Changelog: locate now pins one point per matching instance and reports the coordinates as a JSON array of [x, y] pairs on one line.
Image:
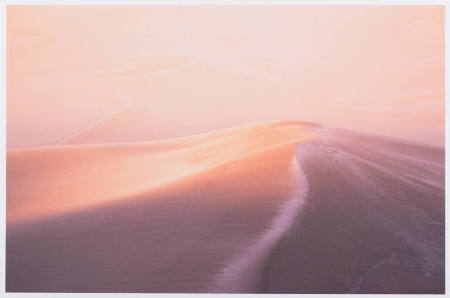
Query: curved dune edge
[[282, 207], [237, 181], [244, 273]]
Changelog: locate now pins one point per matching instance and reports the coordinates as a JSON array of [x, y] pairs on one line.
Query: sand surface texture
[[279, 207]]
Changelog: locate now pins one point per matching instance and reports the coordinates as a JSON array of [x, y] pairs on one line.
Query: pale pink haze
[[167, 149], [92, 74]]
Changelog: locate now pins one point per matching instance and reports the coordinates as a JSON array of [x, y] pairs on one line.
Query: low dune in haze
[[279, 207], [115, 74]]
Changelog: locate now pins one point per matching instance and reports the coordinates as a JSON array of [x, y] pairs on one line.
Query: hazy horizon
[[171, 71], [266, 202]]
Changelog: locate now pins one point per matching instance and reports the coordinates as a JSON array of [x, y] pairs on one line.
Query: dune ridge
[[279, 207], [373, 221], [168, 162], [243, 275]]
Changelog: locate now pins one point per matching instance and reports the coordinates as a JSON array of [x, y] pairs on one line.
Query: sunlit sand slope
[[164, 217], [283, 207]]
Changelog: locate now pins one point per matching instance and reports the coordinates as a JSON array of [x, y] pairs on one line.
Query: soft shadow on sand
[[281, 207]]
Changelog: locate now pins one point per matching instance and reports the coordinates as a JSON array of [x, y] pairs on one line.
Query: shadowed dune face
[[275, 207], [374, 222]]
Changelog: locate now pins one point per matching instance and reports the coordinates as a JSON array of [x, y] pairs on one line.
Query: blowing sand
[[280, 207]]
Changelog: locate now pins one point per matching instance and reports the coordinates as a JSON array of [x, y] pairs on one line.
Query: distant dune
[[277, 207]]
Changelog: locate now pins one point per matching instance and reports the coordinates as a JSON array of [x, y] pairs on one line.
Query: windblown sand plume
[[278, 207]]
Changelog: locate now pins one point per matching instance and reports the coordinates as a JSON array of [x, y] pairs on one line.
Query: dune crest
[[87, 175], [279, 207]]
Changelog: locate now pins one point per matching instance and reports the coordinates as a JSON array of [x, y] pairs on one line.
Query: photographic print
[[225, 149]]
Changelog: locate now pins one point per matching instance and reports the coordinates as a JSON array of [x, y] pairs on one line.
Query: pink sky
[[92, 74]]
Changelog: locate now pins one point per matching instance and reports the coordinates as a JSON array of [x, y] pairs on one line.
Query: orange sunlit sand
[[225, 149], [93, 174], [226, 199]]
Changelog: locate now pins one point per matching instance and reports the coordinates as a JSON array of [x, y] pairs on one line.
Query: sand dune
[[88, 175], [123, 174], [281, 207], [373, 222]]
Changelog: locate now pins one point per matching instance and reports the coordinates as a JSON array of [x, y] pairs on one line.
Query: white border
[[447, 145], [3, 144], [3, 16], [225, 2]]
